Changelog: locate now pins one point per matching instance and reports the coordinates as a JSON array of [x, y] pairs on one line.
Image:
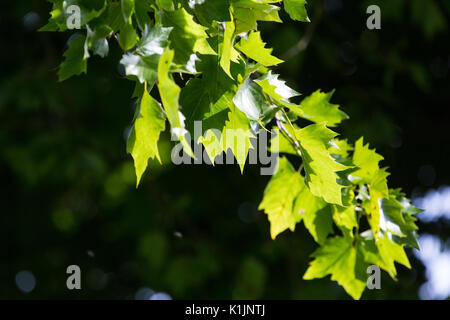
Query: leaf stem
[[287, 134]]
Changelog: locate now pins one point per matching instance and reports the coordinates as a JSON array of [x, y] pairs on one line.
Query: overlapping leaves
[[207, 63]]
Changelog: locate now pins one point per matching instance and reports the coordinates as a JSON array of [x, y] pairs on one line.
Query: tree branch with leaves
[[216, 47]]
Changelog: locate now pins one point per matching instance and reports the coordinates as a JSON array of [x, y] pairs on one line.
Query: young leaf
[[170, 92], [340, 259], [315, 213], [317, 108], [143, 141], [226, 47], [320, 167], [396, 219], [366, 160], [276, 88], [236, 135], [345, 217], [187, 36], [254, 48], [279, 198], [248, 12], [384, 253]]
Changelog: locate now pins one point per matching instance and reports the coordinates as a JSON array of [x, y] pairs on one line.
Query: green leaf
[[127, 36], [280, 144], [250, 100], [340, 259], [279, 198], [153, 41], [248, 12], [397, 219], [226, 47], [276, 88], [127, 7], [114, 16], [320, 167], [204, 98], [345, 217], [341, 148], [170, 93], [366, 160], [166, 5], [142, 9], [317, 108], [315, 213], [384, 253], [287, 200], [143, 141], [296, 10], [144, 64], [187, 36], [209, 99], [144, 68], [210, 10], [368, 172], [377, 191], [236, 135], [254, 48], [75, 59], [97, 41]]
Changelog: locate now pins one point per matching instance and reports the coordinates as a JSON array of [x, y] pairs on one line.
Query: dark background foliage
[[68, 187]]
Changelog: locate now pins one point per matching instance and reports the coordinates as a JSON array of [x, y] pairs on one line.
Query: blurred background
[[68, 191]]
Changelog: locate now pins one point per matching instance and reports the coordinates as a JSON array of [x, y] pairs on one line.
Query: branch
[[287, 134]]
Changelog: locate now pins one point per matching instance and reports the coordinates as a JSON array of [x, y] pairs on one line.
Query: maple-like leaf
[[75, 61], [186, 50], [317, 108], [340, 259], [187, 36], [248, 12], [275, 87], [279, 198], [254, 48], [320, 167], [236, 136], [367, 161], [143, 140]]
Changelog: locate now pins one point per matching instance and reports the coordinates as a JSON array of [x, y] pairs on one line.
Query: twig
[[287, 134]]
